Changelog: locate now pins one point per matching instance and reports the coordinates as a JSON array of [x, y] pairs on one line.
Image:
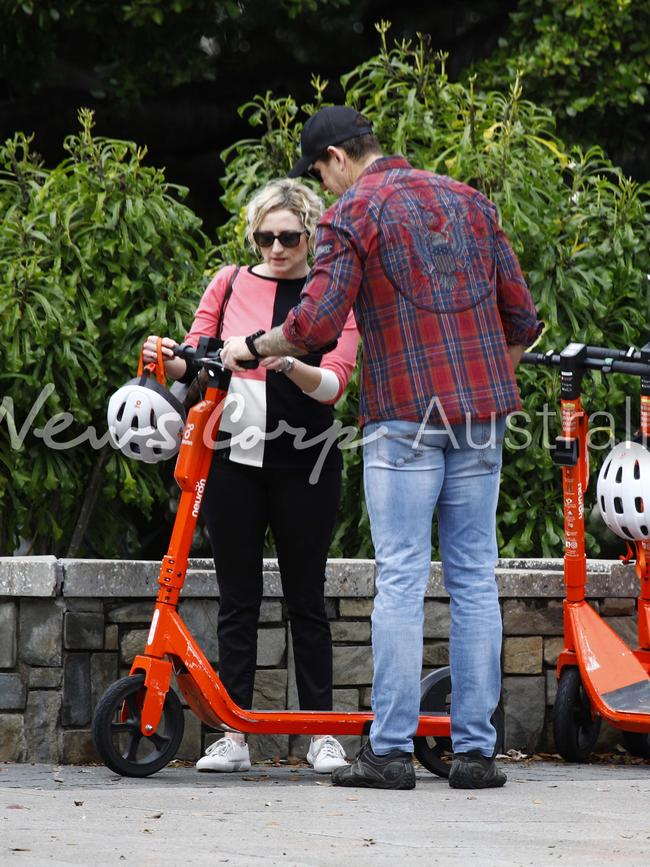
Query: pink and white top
[[268, 421]]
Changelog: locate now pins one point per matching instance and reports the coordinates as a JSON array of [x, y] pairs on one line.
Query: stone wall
[[69, 628]]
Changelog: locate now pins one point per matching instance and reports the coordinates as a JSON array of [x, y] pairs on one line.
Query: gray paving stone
[[78, 747], [200, 616], [356, 607], [13, 745], [13, 693], [528, 618], [270, 689], [94, 606], [618, 607], [40, 631], [352, 666], [525, 707], [437, 619], [111, 637], [350, 578], [551, 686], [132, 644], [349, 631], [264, 748], [190, 747], [271, 646], [76, 709], [271, 611], [552, 649], [523, 655], [45, 678], [436, 654], [29, 576], [345, 700], [103, 673], [8, 634], [42, 717], [83, 630], [131, 612]]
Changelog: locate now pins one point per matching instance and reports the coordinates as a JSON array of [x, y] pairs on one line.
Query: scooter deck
[[616, 682]]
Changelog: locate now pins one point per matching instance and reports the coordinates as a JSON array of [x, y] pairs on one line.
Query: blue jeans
[[409, 471]]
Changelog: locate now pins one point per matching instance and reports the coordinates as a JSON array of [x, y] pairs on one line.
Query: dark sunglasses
[[287, 239], [314, 174]]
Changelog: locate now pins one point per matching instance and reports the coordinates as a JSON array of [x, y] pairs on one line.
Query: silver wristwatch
[[288, 364]]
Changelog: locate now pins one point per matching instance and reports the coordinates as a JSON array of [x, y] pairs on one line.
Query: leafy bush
[[579, 227], [588, 62], [591, 55], [95, 254]]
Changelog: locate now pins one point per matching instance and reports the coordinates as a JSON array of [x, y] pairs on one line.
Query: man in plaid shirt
[[445, 315]]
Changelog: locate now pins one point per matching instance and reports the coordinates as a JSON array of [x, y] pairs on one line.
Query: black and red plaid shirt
[[437, 292]]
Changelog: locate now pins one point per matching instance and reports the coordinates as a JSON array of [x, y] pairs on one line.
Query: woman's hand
[[174, 367], [150, 349], [275, 362]]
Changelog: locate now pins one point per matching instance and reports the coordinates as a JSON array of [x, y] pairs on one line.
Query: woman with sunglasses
[[265, 467]]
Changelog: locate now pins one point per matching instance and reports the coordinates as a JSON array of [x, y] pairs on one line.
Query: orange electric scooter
[[138, 722], [599, 676]]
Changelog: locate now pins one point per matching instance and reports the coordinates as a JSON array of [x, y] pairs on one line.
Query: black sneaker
[[474, 771], [369, 771]]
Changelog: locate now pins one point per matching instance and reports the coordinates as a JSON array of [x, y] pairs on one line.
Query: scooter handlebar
[[596, 358], [208, 357]]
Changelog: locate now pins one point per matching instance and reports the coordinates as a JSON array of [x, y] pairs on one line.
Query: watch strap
[[250, 343]]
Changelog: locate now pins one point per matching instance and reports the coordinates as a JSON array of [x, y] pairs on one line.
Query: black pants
[[240, 503]]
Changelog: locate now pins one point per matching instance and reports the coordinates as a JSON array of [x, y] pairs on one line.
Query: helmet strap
[[156, 368]]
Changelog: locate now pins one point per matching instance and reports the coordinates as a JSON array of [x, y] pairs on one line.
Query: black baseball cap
[[329, 126]]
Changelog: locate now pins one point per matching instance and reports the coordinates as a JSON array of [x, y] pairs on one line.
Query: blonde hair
[[285, 193]]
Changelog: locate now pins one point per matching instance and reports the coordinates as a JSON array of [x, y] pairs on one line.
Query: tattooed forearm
[[275, 343]]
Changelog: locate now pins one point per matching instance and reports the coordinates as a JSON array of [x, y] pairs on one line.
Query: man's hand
[[515, 353], [234, 350]]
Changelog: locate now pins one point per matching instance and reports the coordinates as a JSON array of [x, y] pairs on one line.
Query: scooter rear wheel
[[118, 736], [435, 753], [575, 728], [637, 744]]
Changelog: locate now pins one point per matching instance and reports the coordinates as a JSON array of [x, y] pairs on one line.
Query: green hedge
[[95, 254]]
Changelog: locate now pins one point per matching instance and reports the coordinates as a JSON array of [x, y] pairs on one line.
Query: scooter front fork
[[157, 680]]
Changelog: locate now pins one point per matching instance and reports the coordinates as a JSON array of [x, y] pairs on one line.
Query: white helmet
[[145, 420], [623, 491]]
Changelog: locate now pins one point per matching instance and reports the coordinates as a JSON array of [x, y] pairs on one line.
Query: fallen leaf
[[471, 797], [267, 803], [78, 803], [352, 798], [16, 807], [154, 815], [537, 802], [256, 779], [59, 780], [20, 850]]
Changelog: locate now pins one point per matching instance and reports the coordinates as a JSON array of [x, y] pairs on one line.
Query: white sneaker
[[225, 755], [325, 754]]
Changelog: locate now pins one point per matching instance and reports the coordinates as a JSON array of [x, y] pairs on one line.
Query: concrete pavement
[[547, 813]]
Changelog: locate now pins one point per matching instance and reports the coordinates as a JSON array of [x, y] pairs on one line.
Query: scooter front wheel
[[435, 753], [118, 735], [575, 727]]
